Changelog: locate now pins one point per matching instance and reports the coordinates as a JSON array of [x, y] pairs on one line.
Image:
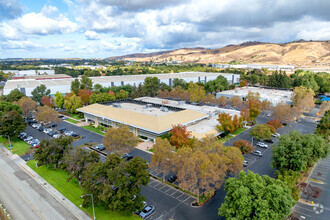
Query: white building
[[272, 95], [20, 73], [255, 66], [64, 85]]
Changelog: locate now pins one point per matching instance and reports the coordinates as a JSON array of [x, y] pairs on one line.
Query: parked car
[[100, 147], [47, 130], [37, 146], [22, 135], [172, 178], [263, 145], [41, 128], [271, 141], [57, 135], [74, 135], [52, 133], [62, 130], [144, 205], [36, 125], [276, 135], [268, 114], [245, 163], [147, 211], [28, 138], [127, 157], [68, 133], [257, 153]]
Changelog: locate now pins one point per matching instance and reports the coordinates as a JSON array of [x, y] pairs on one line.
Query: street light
[[91, 195], [252, 142]]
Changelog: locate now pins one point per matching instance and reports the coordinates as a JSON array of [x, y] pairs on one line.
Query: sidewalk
[[145, 146], [43, 200]]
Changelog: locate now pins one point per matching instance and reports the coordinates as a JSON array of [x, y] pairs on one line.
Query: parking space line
[[162, 187]]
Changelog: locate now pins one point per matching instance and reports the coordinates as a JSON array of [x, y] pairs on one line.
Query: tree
[[217, 85], [179, 136], [46, 114], [222, 101], [233, 159], [245, 115], [72, 102], [8, 106], [236, 101], [253, 96], [285, 113], [116, 184], [51, 151], [261, 132], [325, 106], [251, 196], [228, 124], [75, 86], [297, 152], [119, 140], [275, 123], [210, 99], [11, 123], [122, 94], [39, 92], [180, 82], [279, 80], [27, 105], [85, 95], [265, 105], [14, 95], [254, 79], [86, 83], [196, 92], [76, 161], [244, 145], [59, 99], [151, 85], [323, 127], [271, 128], [303, 98], [46, 100], [162, 158], [254, 107]]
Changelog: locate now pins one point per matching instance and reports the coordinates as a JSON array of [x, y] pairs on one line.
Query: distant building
[[255, 66], [19, 73], [272, 95], [63, 85]]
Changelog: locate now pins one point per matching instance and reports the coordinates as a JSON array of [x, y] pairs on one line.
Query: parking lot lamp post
[[252, 142], [91, 195]]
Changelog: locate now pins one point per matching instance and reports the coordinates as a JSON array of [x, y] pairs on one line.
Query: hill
[[300, 53]]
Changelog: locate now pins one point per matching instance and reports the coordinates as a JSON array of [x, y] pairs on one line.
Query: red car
[[37, 146]]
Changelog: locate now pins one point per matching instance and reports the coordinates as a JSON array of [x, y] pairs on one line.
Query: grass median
[[19, 147], [93, 129], [71, 120], [71, 190]]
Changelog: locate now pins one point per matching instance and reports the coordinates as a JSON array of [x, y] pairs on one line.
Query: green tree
[[251, 196], [14, 95], [297, 152], [86, 83], [72, 102], [151, 85], [179, 82], [52, 151], [76, 161], [323, 127], [261, 132], [75, 86], [11, 123], [119, 140], [59, 99], [217, 85], [116, 184], [254, 79], [8, 106], [39, 92]]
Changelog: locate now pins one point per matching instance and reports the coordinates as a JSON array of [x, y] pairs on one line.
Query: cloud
[[92, 35], [25, 44], [10, 9]]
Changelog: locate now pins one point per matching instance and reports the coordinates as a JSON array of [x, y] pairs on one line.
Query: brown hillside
[[295, 53]]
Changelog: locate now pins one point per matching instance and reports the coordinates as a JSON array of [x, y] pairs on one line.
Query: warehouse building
[[63, 85], [146, 120], [272, 95]]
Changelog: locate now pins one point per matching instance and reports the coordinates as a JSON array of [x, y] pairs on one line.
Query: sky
[[103, 28]]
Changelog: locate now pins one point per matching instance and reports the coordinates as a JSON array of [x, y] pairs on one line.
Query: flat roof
[[157, 124], [141, 109], [32, 83], [264, 93]]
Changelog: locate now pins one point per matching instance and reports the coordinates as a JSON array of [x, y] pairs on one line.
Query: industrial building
[[272, 95], [19, 73], [255, 66], [63, 85], [146, 120]]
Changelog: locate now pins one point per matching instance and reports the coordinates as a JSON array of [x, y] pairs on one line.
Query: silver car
[[147, 211]]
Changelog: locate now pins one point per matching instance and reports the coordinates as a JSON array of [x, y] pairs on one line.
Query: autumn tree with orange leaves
[[179, 136], [47, 101], [84, 95], [229, 124]]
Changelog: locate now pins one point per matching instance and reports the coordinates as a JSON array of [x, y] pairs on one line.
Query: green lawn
[[76, 116], [93, 129], [240, 130], [19, 146], [72, 191], [72, 120]]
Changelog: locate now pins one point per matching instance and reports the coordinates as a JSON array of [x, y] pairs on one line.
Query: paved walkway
[[28, 196], [145, 146]]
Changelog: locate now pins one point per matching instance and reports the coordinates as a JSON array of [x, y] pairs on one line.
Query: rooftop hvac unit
[[149, 105]]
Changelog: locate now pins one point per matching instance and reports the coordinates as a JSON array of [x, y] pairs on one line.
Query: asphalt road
[[24, 197], [170, 204]]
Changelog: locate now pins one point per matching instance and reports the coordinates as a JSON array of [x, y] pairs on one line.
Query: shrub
[[243, 145]]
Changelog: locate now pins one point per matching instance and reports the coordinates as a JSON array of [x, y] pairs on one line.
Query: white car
[[68, 133], [47, 131], [57, 135], [276, 135], [257, 153], [263, 145]]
